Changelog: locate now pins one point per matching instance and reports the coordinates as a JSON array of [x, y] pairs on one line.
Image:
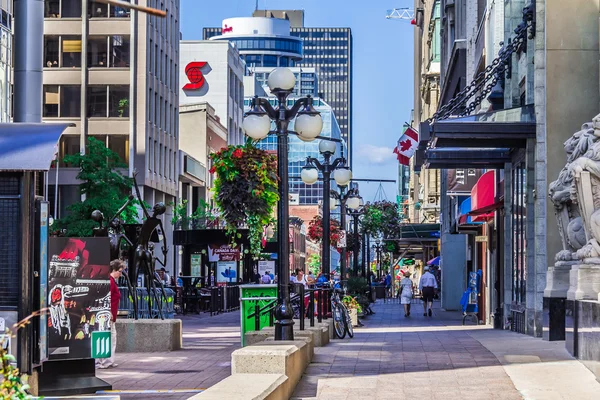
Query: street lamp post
[[346, 200], [356, 213], [378, 247], [257, 125], [342, 176]]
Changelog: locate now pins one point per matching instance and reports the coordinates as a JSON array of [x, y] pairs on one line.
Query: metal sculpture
[[143, 248]]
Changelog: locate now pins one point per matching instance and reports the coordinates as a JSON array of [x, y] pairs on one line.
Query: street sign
[[101, 344], [342, 241]]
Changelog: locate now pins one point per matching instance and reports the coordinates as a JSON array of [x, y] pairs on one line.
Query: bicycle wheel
[[338, 321], [348, 322]]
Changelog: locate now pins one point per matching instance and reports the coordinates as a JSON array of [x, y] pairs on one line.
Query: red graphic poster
[[78, 295]]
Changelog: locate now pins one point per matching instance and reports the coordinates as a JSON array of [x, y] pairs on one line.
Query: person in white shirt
[[427, 286], [266, 279]]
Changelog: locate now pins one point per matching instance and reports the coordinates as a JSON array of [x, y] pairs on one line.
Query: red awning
[[483, 197]]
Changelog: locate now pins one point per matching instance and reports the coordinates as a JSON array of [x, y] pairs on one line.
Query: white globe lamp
[[309, 175], [308, 126], [342, 176], [327, 147], [281, 79], [353, 202], [257, 126]]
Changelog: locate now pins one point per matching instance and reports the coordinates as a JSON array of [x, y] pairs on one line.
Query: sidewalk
[[204, 360], [393, 357]]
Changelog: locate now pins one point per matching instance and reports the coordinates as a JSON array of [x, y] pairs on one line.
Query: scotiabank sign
[[194, 74]]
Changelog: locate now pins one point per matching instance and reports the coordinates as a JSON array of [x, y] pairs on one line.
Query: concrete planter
[[354, 316]]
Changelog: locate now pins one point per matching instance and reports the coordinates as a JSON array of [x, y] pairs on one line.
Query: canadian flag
[[407, 145]]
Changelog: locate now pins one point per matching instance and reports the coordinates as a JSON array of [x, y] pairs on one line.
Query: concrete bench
[[148, 335], [247, 387]]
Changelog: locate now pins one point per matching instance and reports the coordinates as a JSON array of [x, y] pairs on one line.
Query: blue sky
[[383, 70]]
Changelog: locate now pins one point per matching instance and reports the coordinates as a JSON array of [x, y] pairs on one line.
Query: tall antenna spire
[[256, 8]]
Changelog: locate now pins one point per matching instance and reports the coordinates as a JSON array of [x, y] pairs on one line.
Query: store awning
[[483, 195], [29, 147]]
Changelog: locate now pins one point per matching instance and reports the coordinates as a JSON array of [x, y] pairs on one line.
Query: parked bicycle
[[342, 323]]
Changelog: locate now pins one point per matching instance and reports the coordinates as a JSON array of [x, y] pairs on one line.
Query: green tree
[[104, 186], [314, 263]]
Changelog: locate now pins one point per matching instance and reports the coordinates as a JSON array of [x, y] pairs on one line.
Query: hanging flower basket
[[315, 231], [246, 190]]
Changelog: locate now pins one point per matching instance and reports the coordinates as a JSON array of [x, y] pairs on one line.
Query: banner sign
[[78, 295], [342, 240], [461, 181], [222, 253]]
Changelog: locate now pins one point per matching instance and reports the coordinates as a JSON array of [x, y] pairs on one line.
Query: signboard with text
[[252, 296], [223, 253]]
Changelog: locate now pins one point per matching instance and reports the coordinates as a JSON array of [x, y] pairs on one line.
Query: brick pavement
[[394, 357], [204, 360]]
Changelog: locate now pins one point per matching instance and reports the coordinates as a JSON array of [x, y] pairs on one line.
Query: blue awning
[[29, 147]]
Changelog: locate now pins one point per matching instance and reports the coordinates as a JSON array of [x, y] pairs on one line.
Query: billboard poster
[[223, 252], [43, 342], [461, 181], [226, 272], [196, 264], [264, 266], [78, 295]]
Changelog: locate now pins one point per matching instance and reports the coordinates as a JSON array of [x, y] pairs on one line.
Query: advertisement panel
[[196, 264], [264, 266], [222, 252], [78, 295], [43, 345], [461, 181], [226, 272]]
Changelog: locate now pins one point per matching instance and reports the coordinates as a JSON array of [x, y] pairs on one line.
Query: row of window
[[304, 33], [64, 101], [70, 145], [267, 60], [161, 65], [73, 9], [161, 159], [102, 51], [294, 46], [311, 44], [162, 113]]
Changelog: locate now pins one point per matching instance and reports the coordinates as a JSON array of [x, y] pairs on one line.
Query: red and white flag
[[407, 145]]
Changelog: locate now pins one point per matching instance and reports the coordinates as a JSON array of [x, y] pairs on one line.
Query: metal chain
[[476, 90]]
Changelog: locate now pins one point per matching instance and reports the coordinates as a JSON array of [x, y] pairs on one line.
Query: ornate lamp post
[[342, 176], [257, 125], [356, 213], [346, 200], [378, 247]]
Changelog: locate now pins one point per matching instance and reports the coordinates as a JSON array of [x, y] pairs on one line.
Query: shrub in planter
[[315, 230]]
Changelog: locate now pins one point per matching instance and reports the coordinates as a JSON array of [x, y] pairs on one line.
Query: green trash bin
[[252, 296]]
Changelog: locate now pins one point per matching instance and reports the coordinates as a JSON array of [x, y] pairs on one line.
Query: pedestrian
[[427, 286], [116, 269], [266, 279], [310, 279], [406, 292], [256, 276], [180, 280], [388, 284], [301, 278]]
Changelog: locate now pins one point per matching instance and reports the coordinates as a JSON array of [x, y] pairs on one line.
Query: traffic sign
[[101, 344]]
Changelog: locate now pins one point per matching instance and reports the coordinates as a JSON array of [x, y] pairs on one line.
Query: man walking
[[427, 286]]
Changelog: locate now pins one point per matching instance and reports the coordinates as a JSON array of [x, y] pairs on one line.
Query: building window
[[71, 51], [52, 9], [97, 9], [97, 52], [68, 145], [119, 51], [51, 52], [269, 60], [70, 101], [62, 101], [69, 8], [50, 101], [96, 101], [119, 12], [118, 101], [120, 145]]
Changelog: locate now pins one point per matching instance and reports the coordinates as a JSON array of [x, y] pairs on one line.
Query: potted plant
[[123, 106], [246, 190], [353, 308], [315, 231]]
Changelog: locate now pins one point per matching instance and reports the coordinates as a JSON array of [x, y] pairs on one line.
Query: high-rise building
[[328, 50], [114, 74], [5, 58]]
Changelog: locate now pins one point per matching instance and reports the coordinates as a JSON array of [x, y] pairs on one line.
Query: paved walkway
[[394, 357], [204, 360]]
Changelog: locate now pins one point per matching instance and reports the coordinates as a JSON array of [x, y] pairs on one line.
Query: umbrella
[[434, 261]]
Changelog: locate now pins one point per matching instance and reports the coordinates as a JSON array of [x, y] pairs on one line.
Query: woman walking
[[406, 287]]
